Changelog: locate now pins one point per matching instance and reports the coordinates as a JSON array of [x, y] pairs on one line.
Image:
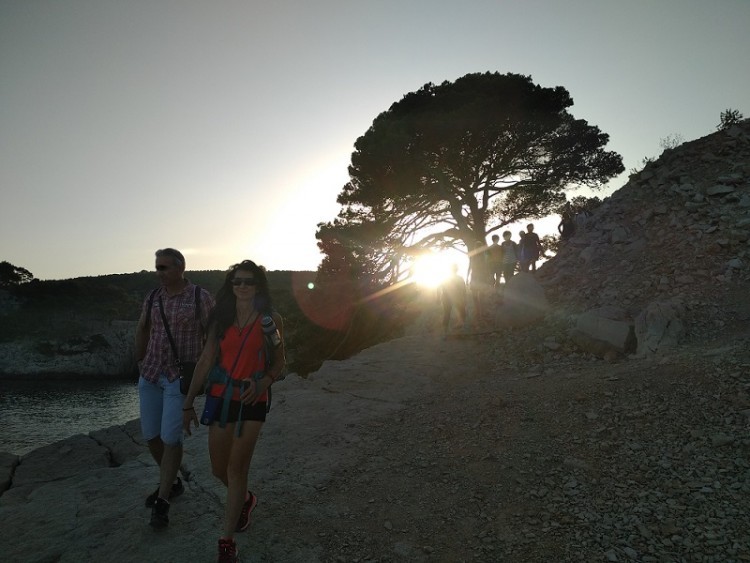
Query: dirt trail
[[572, 460]]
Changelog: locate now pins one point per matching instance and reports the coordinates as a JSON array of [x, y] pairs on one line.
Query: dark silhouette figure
[[567, 226], [531, 249], [453, 296], [495, 260]]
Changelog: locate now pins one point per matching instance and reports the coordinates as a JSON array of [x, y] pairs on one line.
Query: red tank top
[[252, 360]]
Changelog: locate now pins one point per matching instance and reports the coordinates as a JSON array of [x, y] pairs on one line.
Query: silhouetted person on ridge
[[453, 296], [495, 259], [510, 255], [566, 227], [480, 283], [531, 249]]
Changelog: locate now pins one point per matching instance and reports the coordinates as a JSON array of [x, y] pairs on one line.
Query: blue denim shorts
[[161, 410]]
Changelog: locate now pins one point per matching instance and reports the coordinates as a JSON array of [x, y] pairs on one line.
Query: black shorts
[[214, 405]]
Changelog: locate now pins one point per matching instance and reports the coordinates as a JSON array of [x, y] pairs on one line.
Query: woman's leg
[[230, 462], [219, 447]]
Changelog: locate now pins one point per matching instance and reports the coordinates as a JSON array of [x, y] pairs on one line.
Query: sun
[[431, 270]]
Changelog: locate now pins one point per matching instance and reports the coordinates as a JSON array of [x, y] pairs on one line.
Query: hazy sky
[[224, 128]]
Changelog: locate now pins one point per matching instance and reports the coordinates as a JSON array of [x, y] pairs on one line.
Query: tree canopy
[[11, 275], [728, 118], [447, 165]]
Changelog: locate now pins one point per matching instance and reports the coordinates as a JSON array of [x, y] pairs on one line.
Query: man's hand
[[189, 416]]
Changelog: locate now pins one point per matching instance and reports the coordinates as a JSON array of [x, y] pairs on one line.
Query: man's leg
[[156, 447], [168, 469], [151, 398], [447, 306], [171, 436]]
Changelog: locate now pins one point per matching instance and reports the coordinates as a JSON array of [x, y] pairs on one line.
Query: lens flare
[[430, 270]]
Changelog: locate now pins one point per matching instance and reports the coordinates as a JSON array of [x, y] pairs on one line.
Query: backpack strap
[[198, 307], [150, 304], [271, 343]]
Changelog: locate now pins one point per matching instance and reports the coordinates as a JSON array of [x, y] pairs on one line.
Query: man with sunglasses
[[171, 330]]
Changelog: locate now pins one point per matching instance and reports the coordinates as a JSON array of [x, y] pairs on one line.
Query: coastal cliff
[[107, 352]]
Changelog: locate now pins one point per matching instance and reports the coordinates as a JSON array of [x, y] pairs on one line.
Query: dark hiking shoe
[[247, 508], [228, 552], [177, 490], [160, 514]]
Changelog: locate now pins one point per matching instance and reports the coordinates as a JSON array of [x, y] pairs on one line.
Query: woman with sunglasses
[[243, 356]]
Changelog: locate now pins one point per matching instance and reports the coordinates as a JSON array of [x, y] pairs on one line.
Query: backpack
[[271, 341]]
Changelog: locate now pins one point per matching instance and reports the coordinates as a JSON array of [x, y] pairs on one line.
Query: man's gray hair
[[176, 255]]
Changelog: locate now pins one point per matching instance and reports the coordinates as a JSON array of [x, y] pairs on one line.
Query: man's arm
[[141, 337]]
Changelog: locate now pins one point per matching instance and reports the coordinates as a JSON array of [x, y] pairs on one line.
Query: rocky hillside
[[678, 232]]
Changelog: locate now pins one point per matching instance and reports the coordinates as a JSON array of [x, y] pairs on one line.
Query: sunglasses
[[236, 282], [161, 268]]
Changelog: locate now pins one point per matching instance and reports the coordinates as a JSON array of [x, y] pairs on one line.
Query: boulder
[[55, 462], [604, 332], [619, 235], [587, 254], [123, 442], [524, 301], [719, 189], [659, 327], [8, 463]]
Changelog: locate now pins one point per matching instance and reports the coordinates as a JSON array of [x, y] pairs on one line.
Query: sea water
[[37, 412]]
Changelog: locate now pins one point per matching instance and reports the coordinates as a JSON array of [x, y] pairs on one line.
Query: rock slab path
[[488, 448]]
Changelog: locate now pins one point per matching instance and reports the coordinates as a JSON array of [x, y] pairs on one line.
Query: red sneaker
[[247, 508], [228, 552]]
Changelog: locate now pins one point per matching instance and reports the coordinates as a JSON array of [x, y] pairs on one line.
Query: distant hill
[[78, 307], [45, 319]]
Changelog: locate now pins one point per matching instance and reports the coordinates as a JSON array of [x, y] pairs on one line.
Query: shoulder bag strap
[[228, 391], [169, 332]]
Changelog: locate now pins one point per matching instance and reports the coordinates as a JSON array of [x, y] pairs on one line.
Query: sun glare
[[431, 270]]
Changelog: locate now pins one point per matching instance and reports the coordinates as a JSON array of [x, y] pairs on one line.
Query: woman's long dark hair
[[222, 317]]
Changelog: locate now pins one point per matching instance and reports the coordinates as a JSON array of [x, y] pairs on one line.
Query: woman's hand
[[255, 390], [189, 416]]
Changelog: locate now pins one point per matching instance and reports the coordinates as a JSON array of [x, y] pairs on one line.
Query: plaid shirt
[[187, 332]]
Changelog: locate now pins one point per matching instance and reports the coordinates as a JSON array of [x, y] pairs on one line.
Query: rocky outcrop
[[8, 463], [526, 453], [671, 248], [659, 327], [105, 353], [87, 492]]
